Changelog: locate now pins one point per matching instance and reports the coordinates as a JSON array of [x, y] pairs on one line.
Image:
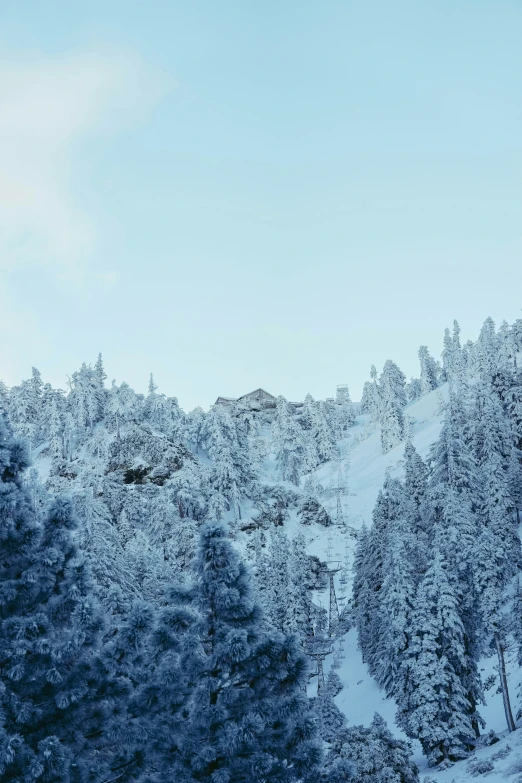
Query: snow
[[360, 697], [366, 468]]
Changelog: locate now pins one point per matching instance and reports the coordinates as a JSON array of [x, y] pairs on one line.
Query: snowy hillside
[[361, 697], [370, 552]]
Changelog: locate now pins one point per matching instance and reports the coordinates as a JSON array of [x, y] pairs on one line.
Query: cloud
[[46, 107]]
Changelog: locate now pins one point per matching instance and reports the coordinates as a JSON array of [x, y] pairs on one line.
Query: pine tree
[[288, 443], [371, 397], [452, 357], [416, 486], [331, 719], [494, 454], [49, 630], [371, 554], [369, 755], [435, 707], [392, 383], [363, 596], [491, 581], [487, 350], [414, 389], [194, 428], [324, 435], [396, 601], [38, 497], [99, 539], [392, 425], [453, 491], [248, 715], [24, 410], [230, 455], [162, 519], [498, 545], [429, 370], [121, 405], [299, 598], [278, 580], [312, 512], [344, 412], [55, 436], [100, 376], [4, 400], [393, 400]]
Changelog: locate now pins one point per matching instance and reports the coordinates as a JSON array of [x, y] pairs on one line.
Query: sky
[[239, 194]]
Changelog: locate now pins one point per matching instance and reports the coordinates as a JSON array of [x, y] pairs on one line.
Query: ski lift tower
[[338, 486], [318, 650], [333, 568]]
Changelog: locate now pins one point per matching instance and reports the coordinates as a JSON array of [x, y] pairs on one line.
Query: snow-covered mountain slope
[[366, 468]]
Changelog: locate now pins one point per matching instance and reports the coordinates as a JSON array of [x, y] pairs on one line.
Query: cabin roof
[[256, 392], [250, 394]]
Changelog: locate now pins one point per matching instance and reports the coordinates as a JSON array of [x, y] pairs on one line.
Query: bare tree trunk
[[503, 684]]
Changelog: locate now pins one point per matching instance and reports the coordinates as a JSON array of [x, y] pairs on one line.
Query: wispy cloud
[[46, 107]]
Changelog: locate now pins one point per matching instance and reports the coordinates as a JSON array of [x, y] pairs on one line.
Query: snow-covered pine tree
[[49, 631], [99, 378], [228, 447], [392, 425], [307, 412], [434, 707], [429, 370], [392, 387], [99, 539], [487, 349], [370, 557], [248, 714], [362, 598], [55, 435], [331, 719], [83, 400], [321, 433], [494, 452], [277, 591], [453, 361], [416, 485], [396, 601], [299, 598], [312, 512], [224, 474], [4, 400], [343, 411], [38, 496], [392, 383], [194, 427], [371, 397], [163, 517], [24, 412], [414, 389], [288, 440], [498, 544], [453, 490], [490, 580], [122, 404], [513, 403], [371, 754]]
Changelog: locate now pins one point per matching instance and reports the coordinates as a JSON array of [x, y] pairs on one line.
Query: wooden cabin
[[259, 399]]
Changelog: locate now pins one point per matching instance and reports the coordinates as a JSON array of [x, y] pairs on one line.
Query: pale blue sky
[[275, 193]]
